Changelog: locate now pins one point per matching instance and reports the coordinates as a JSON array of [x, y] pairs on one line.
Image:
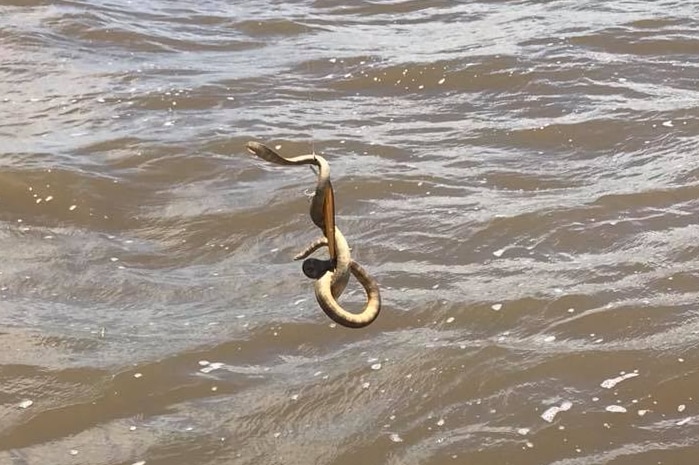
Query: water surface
[[521, 177]]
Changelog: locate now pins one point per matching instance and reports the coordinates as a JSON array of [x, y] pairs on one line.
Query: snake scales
[[331, 276]]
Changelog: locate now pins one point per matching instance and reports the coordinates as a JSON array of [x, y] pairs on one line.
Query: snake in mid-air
[[331, 275]]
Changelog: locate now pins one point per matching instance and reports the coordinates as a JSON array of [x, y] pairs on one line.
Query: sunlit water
[[521, 178]]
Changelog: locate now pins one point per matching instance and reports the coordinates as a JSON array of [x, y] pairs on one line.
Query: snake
[[331, 276], [322, 207], [324, 276]]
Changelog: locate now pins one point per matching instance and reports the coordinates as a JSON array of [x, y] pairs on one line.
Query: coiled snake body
[[331, 275]]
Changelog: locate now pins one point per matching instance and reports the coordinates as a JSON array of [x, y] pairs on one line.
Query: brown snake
[[331, 275]]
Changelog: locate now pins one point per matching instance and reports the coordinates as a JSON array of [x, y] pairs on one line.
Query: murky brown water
[[521, 177]]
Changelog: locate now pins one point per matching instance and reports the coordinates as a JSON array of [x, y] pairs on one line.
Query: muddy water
[[521, 177]]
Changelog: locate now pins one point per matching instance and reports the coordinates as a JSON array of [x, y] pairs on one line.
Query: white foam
[[211, 367], [550, 414], [615, 409], [26, 403], [611, 382]]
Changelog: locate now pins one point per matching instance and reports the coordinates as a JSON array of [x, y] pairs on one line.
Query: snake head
[[255, 147], [314, 268]]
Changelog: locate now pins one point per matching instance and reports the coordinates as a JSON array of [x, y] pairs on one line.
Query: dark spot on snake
[[315, 269]]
